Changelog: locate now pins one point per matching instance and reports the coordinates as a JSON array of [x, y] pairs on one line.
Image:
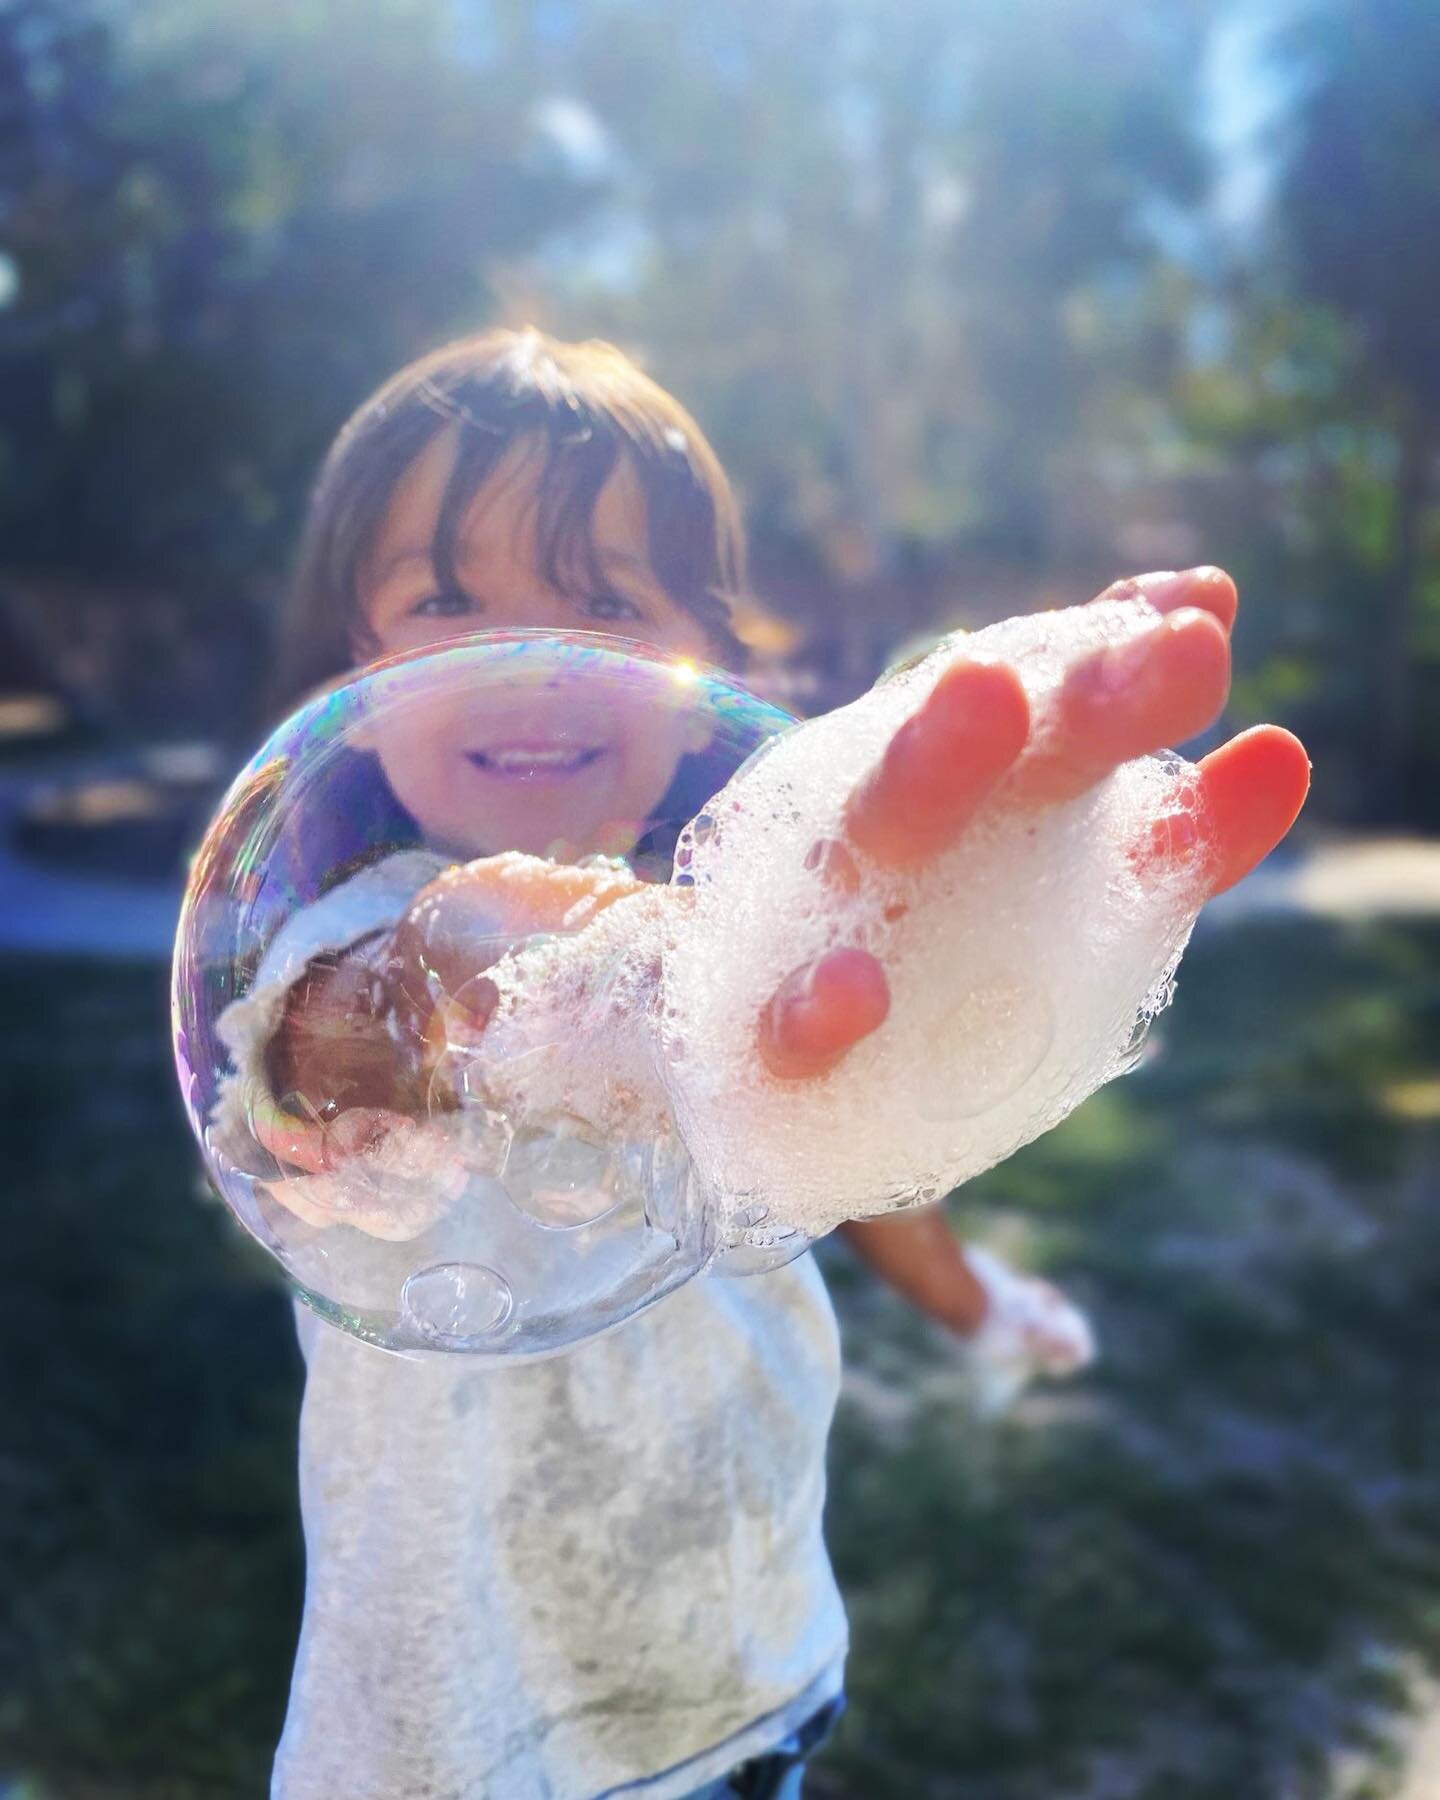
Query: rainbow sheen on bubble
[[473, 966], [451, 1223]]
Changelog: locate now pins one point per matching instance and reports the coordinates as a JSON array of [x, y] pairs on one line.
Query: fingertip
[[1214, 591], [1205, 587], [1196, 659], [822, 1011], [1254, 789], [1275, 759], [1129, 700], [1152, 587], [1267, 755], [941, 763], [976, 711], [1197, 620], [987, 700]]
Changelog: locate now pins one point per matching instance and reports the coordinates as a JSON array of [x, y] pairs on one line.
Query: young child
[[605, 1574]]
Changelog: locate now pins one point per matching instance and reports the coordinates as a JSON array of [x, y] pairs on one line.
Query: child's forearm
[[919, 1256]]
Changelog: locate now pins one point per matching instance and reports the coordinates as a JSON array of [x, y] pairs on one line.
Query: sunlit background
[[983, 303]]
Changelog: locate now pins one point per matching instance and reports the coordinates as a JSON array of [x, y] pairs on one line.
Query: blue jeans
[[777, 1774]]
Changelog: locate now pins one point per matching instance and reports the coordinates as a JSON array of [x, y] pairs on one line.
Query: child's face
[[549, 767]]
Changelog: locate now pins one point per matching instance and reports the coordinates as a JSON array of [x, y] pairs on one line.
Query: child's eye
[[443, 606], [613, 606]]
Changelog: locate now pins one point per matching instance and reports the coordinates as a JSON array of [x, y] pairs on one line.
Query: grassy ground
[[1202, 1574], [1205, 1572], [150, 1386]]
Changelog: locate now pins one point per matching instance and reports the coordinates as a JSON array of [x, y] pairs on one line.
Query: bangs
[[576, 455], [584, 406]]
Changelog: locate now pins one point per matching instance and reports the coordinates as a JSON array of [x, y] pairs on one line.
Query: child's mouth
[[527, 761]]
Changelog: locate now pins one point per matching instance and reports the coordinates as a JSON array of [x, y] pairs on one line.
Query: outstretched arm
[[971, 736], [919, 1256], [970, 741]]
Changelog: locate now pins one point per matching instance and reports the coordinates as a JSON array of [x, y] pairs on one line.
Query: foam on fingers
[[1023, 960]]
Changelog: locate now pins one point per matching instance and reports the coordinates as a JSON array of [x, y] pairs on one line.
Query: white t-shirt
[[599, 1575]]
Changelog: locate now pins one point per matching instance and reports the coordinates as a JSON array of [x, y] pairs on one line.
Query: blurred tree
[[940, 281], [221, 224], [1359, 214], [899, 257]]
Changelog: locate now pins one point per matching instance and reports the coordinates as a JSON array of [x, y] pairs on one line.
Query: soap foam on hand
[[1024, 963], [574, 1116]]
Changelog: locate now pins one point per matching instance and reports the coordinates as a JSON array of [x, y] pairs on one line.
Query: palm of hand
[[978, 745]]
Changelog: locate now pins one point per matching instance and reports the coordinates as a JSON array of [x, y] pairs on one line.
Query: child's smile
[[568, 771], [538, 752], [534, 761], [557, 761], [550, 750]]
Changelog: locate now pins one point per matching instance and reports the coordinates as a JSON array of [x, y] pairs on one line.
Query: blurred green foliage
[[949, 285], [1211, 1570], [1208, 1570], [952, 291], [227, 223]]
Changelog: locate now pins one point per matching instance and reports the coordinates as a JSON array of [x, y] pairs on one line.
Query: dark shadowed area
[[983, 307]]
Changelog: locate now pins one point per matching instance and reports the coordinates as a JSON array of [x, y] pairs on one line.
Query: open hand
[[973, 740]]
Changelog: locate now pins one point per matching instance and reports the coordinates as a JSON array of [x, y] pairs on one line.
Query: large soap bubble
[[472, 965], [331, 993]]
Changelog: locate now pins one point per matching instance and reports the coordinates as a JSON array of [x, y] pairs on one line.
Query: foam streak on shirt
[[569, 1578], [602, 1574]]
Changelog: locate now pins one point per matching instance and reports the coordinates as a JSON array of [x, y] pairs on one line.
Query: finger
[[318, 1146], [297, 1142], [1207, 589], [1128, 701], [1250, 792], [941, 764], [471, 915], [822, 1011]]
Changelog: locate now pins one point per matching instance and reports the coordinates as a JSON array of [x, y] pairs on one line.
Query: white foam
[[573, 1040], [1027, 957], [1023, 965]]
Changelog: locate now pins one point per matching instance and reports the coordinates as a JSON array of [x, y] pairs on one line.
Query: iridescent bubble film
[[387, 882], [475, 966]]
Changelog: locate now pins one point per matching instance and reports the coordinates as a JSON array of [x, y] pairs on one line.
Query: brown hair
[[588, 405]]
